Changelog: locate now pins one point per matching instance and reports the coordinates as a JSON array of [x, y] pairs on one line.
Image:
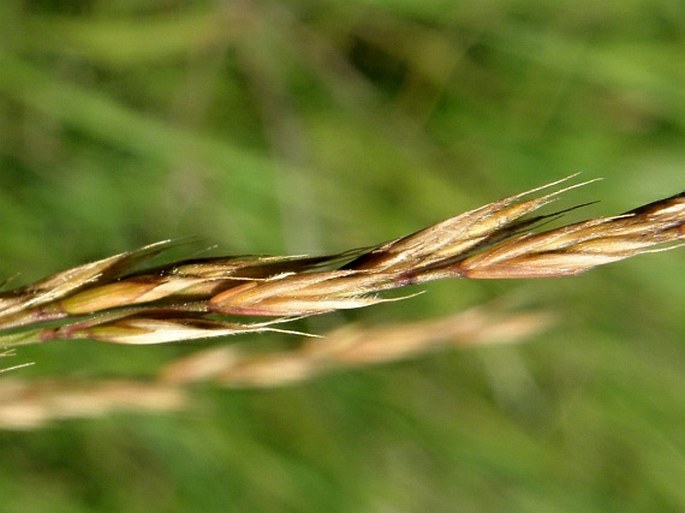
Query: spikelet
[[33, 404], [183, 300]]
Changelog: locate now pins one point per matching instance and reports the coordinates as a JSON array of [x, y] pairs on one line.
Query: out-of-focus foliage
[[315, 126]]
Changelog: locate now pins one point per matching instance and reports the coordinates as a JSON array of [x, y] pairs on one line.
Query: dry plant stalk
[[33, 404], [107, 301]]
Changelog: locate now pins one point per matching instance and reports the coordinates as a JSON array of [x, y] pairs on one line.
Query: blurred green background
[[312, 127]]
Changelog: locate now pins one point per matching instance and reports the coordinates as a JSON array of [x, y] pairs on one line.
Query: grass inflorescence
[[108, 301]]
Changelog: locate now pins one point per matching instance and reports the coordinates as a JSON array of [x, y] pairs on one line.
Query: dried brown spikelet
[[182, 299], [34, 404], [353, 346], [579, 247], [30, 405]]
